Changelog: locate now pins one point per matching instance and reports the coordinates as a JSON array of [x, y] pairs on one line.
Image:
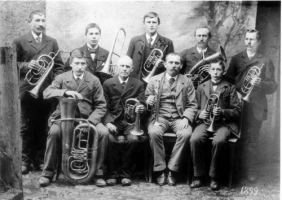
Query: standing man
[[35, 112], [82, 85], [96, 55], [141, 46], [117, 90], [173, 96], [255, 111]]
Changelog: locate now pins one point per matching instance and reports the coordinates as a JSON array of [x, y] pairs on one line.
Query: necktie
[[92, 50], [123, 84], [38, 39], [171, 81], [78, 80], [149, 41]]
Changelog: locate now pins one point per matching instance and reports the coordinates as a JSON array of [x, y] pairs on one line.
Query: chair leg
[[231, 163], [147, 155], [151, 166]]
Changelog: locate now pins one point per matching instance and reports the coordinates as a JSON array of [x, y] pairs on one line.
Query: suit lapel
[[70, 81], [32, 41], [207, 88], [129, 87], [179, 84], [100, 57], [117, 86], [83, 84], [44, 42], [90, 62], [196, 55]]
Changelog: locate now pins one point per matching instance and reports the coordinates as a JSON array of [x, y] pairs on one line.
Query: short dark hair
[[77, 53], [151, 15], [35, 12], [173, 54], [220, 63], [209, 33], [92, 25], [254, 31]]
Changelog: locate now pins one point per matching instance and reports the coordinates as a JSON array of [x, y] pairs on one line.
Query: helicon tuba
[[79, 144], [37, 77], [131, 117], [247, 87]]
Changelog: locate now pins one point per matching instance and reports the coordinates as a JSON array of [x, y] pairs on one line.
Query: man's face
[[93, 36], [151, 25], [125, 67], [78, 66], [216, 72], [173, 65], [202, 36], [37, 24], [251, 42]]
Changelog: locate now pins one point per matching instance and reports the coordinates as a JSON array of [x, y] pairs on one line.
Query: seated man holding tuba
[[218, 110], [82, 85], [118, 91], [172, 96]]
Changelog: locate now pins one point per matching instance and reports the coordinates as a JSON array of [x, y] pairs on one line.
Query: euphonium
[[247, 87], [130, 115], [198, 72], [37, 77], [151, 63], [79, 144]]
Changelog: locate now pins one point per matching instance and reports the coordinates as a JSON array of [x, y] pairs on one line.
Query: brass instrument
[[247, 87], [79, 144], [109, 68], [130, 115], [37, 77], [155, 109], [199, 72], [151, 63]]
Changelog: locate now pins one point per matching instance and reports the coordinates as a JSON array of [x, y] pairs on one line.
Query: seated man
[[224, 113], [117, 90], [82, 85], [173, 97]]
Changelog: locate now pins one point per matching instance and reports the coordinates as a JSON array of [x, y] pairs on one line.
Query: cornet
[[155, 108]]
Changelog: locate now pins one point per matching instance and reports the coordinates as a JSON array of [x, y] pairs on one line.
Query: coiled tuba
[[79, 144], [131, 117], [199, 72], [37, 77], [247, 87]]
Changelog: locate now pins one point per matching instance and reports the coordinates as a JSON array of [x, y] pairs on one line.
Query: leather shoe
[[99, 182], [125, 182], [171, 180], [197, 183], [25, 169], [44, 181], [161, 179], [214, 184], [252, 176], [111, 181]]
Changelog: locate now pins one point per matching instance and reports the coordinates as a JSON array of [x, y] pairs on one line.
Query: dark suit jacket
[[185, 98], [136, 51], [93, 107], [239, 67], [116, 96], [191, 57], [229, 103], [28, 49]]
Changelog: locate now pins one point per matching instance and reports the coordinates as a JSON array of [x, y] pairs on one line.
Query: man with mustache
[[141, 46], [35, 112], [255, 111]]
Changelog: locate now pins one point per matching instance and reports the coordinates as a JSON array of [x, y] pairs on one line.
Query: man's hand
[[184, 123], [159, 63], [33, 64], [73, 94], [151, 100], [216, 111], [111, 127], [204, 114], [140, 109], [255, 81]]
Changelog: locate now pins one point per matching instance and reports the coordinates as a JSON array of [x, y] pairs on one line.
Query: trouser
[[128, 151], [53, 148], [198, 142], [157, 145]]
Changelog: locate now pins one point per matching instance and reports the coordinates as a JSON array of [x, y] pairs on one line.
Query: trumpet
[[151, 63], [37, 77], [130, 115], [247, 87]]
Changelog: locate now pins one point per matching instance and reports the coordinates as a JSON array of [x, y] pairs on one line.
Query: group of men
[[175, 104]]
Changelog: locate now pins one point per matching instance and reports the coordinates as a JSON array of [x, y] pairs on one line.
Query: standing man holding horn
[[247, 68], [117, 91], [140, 47], [35, 112]]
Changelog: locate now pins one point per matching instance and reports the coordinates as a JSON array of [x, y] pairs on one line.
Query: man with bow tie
[[82, 85], [117, 90], [96, 55], [173, 97], [255, 111], [35, 112]]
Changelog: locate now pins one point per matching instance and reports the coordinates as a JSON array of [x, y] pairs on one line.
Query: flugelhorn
[[199, 72], [247, 87], [37, 77], [79, 147], [151, 63], [131, 117]]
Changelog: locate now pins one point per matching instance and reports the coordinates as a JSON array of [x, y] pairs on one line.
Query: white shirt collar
[[121, 81], [153, 37], [201, 51], [80, 77], [168, 76], [36, 36], [250, 55], [89, 46]]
